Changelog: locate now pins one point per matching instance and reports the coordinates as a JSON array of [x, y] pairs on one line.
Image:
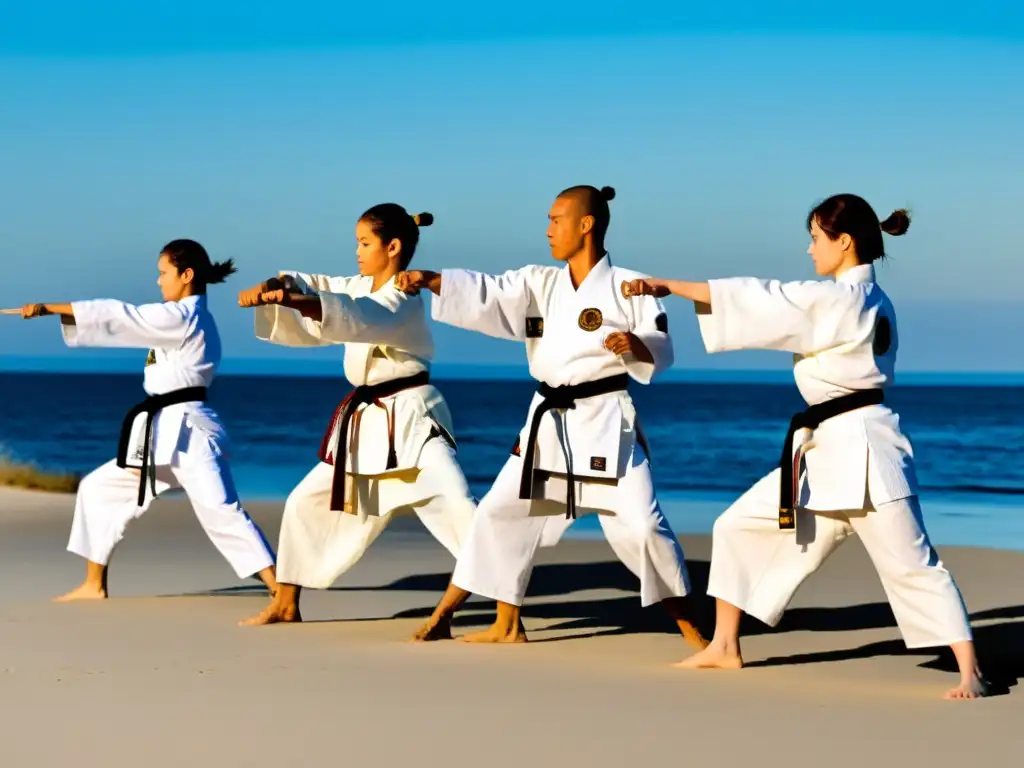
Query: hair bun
[[897, 224], [423, 219], [608, 193]]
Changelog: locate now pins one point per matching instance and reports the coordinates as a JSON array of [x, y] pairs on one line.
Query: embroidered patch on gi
[[591, 319], [515, 448], [883, 336], [598, 463], [534, 327], [661, 322], [151, 358]]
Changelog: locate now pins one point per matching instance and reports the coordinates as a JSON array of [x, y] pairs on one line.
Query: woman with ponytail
[[170, 439], [852, 470], [389, 445]]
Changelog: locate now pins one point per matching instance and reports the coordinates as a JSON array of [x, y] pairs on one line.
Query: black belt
[[563, 397], [812, 419], [150, 406], [364, 395]]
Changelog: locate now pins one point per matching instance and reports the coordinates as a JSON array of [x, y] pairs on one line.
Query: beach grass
[[18, 475]]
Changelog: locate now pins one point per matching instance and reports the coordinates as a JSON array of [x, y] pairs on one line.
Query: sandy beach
[[160, 674]]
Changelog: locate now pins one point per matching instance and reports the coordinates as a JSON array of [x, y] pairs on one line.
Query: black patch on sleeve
[[515, 448], [436, 431], [598, 463], [661, 322], [882, 341], [534, 327]]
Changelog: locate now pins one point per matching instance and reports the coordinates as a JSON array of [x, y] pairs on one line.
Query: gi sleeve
[[288, 328], [749, 313], [652, 329], [495, 305], [112, 323], [309, 283], [390, 318]]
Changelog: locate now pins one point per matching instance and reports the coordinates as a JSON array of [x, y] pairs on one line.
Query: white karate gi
[[858, 473], [190, 445], [386, 337], [539, 306]]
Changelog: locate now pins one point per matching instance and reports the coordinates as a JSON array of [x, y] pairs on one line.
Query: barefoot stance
[[429, 632], [84, 592], [712, 657], [496, 634], [973, 688], [274, 614]]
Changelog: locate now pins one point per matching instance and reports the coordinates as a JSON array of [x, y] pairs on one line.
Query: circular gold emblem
[[591, 319]]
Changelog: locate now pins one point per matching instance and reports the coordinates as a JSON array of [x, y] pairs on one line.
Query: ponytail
[[219, 271], [188, 254]]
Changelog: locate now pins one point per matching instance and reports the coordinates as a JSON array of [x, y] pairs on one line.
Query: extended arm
[[495, 305], [289, 307], [64, 311], [699, 293], [111, 323], [749, 313], [389, 317]]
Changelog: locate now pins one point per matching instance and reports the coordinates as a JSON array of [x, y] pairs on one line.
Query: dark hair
[[594, 202], [390, 221], [188, 254], [851, 215]]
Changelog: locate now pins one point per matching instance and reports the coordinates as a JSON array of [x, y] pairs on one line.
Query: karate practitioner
[[389, 445], [851, 469], [581, 450], [170, 439]]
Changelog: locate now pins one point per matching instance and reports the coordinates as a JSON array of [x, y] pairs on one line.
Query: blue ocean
[[710, 441]]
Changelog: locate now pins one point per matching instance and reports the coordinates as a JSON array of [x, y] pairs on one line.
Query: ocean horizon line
[[306, 368]]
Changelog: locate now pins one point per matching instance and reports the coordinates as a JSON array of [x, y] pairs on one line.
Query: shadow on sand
[[1000, 645]]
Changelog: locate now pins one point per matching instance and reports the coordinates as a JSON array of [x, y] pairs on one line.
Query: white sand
[[160, 675]]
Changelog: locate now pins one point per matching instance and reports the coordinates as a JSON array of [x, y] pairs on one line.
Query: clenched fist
[[271, 291], [33, 310], [641, 287], [276, 296], [250, 297], [413, 281], [625, 343]]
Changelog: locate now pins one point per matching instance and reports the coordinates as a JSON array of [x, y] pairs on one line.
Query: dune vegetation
[[17, 475]]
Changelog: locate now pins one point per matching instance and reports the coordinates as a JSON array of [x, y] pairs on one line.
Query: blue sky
[[263, 130]]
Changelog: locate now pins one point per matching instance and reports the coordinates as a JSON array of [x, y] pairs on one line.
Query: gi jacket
[[184, 351], [564, 329], [843, 338], [386, 337]]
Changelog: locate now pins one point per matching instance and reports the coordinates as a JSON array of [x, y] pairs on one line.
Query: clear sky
[[264, 129]]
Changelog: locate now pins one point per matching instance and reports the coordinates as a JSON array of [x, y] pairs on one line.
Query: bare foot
[[433, 630], [274, 614], [496, 634], [713, 657], [973, 687], [86, 591]]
